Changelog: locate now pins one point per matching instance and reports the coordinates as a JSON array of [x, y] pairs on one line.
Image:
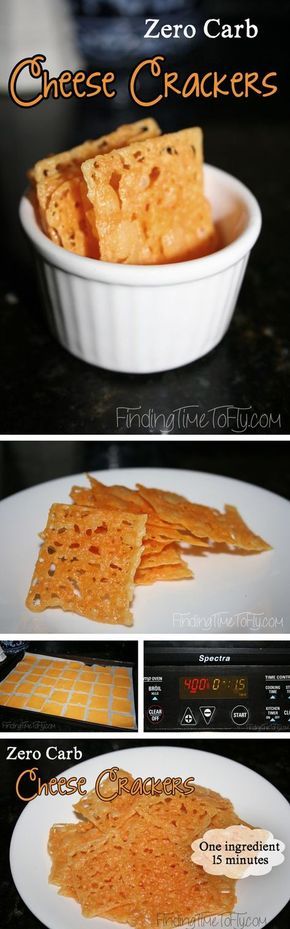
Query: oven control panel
[[225, 699]]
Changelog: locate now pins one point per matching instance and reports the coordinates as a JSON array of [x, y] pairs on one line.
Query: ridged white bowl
[[141, 319]]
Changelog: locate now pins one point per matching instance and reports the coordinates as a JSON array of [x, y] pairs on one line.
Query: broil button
[[240, 715]]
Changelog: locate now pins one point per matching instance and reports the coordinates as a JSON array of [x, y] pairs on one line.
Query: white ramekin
[[141, 319]]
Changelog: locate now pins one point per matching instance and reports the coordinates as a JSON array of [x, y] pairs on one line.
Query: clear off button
[[240, 715], [155, 714]]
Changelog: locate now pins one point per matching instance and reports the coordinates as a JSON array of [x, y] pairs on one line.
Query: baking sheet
[[100, 694]]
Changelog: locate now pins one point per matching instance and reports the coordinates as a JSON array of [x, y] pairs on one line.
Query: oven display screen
[[214, 686]]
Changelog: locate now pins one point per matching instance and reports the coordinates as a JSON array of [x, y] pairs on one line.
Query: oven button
[[240, 715], [188, 718], [207, 713], [155, 714]]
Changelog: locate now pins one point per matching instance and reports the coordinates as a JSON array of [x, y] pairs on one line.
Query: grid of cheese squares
[[96, 693]]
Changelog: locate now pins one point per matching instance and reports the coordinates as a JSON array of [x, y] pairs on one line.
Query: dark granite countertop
[[270, 763], [46, 390]]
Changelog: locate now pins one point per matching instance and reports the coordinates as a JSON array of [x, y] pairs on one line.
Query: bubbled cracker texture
[[163, 572], [144, 846], [87, 563], [66, 222], [148, 201], [61, 191], [204, 521], [169, 555]]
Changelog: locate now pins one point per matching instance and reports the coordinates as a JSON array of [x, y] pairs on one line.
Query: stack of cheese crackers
[[111, 538], [105, 859], [134, 196]]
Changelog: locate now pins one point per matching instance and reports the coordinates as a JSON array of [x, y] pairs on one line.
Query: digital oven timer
[[213, 686]]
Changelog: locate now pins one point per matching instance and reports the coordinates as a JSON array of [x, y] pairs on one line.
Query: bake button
[[240, 715]]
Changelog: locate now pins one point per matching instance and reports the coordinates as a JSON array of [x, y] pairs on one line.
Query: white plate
[[230, 593], [254, 798]]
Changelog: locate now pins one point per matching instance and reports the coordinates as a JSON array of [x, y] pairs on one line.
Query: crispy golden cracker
[[60, 188], [126, 835], [87, 563], [158, 532], [82, 496], [163, 572], [148, 200], [121, 498], [162, 532], [204, 521], [152, 547], [66, 222], [169, 555], [238, 534]]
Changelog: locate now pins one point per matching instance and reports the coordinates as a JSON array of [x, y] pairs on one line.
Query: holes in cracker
[[75, 586], [115, 181], [70, 577], [115, 184], [154, 174]]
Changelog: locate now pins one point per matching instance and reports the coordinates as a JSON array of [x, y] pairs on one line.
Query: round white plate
[[230, 593], [254, 798]]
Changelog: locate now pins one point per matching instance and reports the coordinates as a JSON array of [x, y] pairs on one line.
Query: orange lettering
[[155, 69]]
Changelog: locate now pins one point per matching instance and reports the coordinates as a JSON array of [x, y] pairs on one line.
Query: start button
[[240, 715]]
